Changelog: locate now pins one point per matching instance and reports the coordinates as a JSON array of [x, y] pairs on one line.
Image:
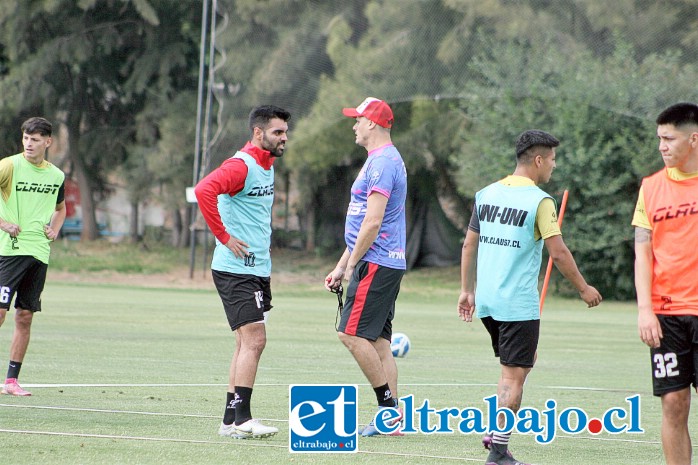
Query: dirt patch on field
[[177, 279], [287, 271]]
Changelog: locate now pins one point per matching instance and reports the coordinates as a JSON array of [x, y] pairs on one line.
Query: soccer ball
[[400, 344]]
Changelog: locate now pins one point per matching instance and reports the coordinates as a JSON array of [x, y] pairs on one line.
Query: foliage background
[[463, 76]]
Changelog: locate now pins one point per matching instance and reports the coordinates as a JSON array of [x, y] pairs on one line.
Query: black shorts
[[25, 276], [370, 306], [675, 361], [514, 342], [245, 297]]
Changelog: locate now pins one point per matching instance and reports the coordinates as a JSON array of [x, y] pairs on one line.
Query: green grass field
[[124, 375]]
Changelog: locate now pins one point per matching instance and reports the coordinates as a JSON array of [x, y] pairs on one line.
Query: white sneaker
[[229, 431], [253, 429]]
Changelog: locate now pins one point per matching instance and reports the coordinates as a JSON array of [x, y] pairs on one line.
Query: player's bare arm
[[370, 227], [564, 261], [466, 300], [52, 229], [643, 235], [237, 246], [10, 228], [334, 279], [648, 325]]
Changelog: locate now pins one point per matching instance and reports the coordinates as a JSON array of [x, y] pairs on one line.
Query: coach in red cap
[[374, 259], [375, 110]]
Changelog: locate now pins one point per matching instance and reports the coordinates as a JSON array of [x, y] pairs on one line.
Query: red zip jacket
[[229, 178]]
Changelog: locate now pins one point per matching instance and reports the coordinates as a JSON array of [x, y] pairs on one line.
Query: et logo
[[323, 418]]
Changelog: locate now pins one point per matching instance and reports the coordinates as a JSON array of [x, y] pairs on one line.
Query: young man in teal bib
[[511, 221], [32, 212]]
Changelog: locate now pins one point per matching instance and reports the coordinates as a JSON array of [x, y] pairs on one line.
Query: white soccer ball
[[400, 344]]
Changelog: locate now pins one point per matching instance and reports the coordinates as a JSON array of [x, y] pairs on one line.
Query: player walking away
[[235, 200], [511, 220], [374, 259], [32, 212], [666, 221]]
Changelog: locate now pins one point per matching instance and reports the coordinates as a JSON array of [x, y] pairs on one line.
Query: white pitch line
[[583, 388], [186, 415], [95, 410], [440, 457], [125, 385], [57, 385], [128, 412], [243, 443], [635, 441], [136, 438]]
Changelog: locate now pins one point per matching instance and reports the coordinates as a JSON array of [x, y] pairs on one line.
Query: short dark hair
[[261, 115], [534, 138], [679, 114], [37, 125]]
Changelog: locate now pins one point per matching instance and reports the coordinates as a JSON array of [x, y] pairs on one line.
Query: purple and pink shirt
[[384, 173]]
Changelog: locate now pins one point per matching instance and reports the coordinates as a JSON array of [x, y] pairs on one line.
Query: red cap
[[374, 109]]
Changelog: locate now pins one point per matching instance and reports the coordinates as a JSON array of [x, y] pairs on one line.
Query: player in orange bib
[[666, 281]]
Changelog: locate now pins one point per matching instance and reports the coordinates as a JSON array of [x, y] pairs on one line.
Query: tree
[[162, 157], [96, 62], [649, 25], [602, 110], [385, 50], [463, 76]]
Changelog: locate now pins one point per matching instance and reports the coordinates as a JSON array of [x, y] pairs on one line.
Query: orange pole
[[549, 270]]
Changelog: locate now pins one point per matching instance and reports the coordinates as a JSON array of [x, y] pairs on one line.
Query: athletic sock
[[501, 439], [13, 369], [229, 415], [384, 396], [243, 395]]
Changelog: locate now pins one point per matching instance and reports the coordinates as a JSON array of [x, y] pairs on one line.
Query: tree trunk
[[186, 229], [459, 214], [310, 228], [133, 224], [89, 232], [176, 228]]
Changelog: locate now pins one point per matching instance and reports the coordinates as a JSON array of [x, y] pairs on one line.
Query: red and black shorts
[[370, 306], [245, 297], [25, 276], [514, 342], [675, 361]]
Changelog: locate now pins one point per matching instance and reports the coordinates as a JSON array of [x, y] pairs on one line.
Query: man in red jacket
[[236, 200]]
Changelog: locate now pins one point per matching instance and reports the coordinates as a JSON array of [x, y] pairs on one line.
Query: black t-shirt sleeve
[[474, 224], [61, 193]]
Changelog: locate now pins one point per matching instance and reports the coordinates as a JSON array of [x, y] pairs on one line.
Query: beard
[[276, 150]]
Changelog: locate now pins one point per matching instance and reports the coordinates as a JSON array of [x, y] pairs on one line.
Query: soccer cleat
[[505, 461], [370, 429], [253, 429], [229, 431], [500, 455], [487, 441], [12, 388]]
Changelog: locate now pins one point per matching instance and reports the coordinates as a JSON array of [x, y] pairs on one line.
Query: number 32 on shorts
[[665, 365]]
